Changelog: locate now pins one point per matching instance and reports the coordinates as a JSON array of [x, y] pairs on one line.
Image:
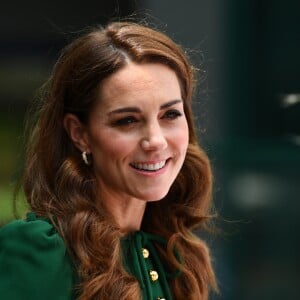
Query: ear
[[77, 132]]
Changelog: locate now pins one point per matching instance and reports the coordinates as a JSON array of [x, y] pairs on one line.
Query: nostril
[[145, 143], [154, 143]]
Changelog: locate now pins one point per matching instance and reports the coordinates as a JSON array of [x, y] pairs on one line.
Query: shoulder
[[31, 232], [34, 260], [33, 236]]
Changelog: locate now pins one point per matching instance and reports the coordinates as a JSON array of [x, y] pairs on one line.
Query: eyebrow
[[137, 110]]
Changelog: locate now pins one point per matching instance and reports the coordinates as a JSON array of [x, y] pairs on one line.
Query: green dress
[[34, 263]]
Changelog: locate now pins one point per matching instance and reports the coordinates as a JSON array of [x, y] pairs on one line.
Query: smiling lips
[[150, 167]]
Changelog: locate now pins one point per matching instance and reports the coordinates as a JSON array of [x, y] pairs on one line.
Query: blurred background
[[247, 108]]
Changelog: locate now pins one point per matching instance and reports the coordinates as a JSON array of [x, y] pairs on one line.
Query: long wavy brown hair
[[59, 186]]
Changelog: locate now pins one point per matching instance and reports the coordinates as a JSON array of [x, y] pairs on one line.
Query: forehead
[[140, 81]]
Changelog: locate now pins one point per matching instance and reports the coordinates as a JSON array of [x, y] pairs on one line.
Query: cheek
[[109, 146], [181, 138]]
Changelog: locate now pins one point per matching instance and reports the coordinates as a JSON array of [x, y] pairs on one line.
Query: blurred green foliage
[[11, 162], [7, 212], [6, 207]]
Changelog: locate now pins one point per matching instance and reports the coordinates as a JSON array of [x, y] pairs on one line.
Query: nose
[[154, 138]]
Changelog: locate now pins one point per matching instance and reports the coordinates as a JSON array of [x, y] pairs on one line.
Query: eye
[[172, 114], [125, 121]]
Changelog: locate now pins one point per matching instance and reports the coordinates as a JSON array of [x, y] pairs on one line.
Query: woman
[[114, 178]]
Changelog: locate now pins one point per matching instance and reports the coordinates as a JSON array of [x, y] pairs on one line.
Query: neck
[[127, 212], [129, 215]]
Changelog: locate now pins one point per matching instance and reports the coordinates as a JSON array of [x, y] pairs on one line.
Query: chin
[[152, 197]]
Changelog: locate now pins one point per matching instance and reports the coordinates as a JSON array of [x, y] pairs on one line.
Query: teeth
[[149, 167]]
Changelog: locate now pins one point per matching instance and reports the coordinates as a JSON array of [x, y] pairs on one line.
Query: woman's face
[[137, 132]]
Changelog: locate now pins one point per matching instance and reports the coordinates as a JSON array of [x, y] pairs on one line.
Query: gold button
[[145, 252], [153, 275]]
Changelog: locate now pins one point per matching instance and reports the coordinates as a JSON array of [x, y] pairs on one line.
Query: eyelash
[[169, 115], [172, 114], [125, 121]]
